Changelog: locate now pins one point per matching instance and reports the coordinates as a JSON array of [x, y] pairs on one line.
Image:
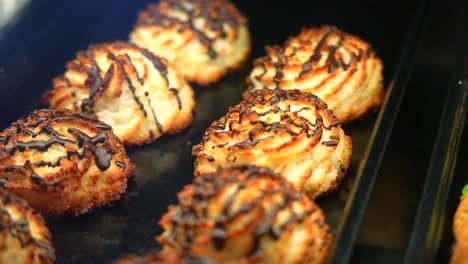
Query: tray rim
[[426, 236], [370, 165]]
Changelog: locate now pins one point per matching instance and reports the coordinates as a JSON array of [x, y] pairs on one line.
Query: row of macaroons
[[66, 162], [242, 214], [141, 96], [141, 89]]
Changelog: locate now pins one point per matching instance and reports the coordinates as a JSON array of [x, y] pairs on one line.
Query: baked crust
[[63, 162], [24, 236], [289, 131], [460, 255], [246, 214], [461, 216], [137, 93], [341, 69], [204, 39]]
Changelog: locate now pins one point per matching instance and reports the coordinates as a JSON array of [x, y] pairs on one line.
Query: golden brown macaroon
[[63, 162], [461, 216], [341, 69], [460, 231], [460, 255], [246, 214], [204, 39], [137, 93], [289, 131], [24, 236], [164, 258]]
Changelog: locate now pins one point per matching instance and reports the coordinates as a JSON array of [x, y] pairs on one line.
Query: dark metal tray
[[47, 34], [432, 239]]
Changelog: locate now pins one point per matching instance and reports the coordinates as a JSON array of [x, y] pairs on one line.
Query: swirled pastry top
[[63, 162], [164, 258], [137, 93], [289, 131], [24, 236], [246, 214], [341, 69], [204, 39]]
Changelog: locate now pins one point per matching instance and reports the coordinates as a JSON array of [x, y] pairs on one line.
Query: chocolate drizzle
[[20, 229], [216, 13], [120, 68], [323, 40], [162, 68], [243, 121], [94, 82], [267, 204], [44, 122], [158, 125]]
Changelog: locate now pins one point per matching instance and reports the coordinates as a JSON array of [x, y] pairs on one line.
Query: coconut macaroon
[[461, 216], [24, 236], [460, 231], [246, 214], [341, 69], [460, 255], [137, 93], [289, 131], [63, 162], [204, 39]]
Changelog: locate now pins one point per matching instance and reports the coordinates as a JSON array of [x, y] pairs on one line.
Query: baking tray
[[432, 238], [46, 35]]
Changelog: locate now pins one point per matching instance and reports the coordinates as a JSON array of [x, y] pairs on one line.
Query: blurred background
[[8, 10]]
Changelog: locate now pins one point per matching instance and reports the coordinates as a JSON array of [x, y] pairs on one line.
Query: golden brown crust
[[461, 216], [288, 131], [460, 255], [24, 237], [139, 94], [204, 39], [341, 69], [163, 258], [246, 214], [63, 162]]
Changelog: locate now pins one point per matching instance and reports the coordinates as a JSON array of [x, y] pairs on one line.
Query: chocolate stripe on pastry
[[63, 162], [24, 237], [341, 69], [203, 38], [246, 214], [164, 258], [139, 94], [288, 131]]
